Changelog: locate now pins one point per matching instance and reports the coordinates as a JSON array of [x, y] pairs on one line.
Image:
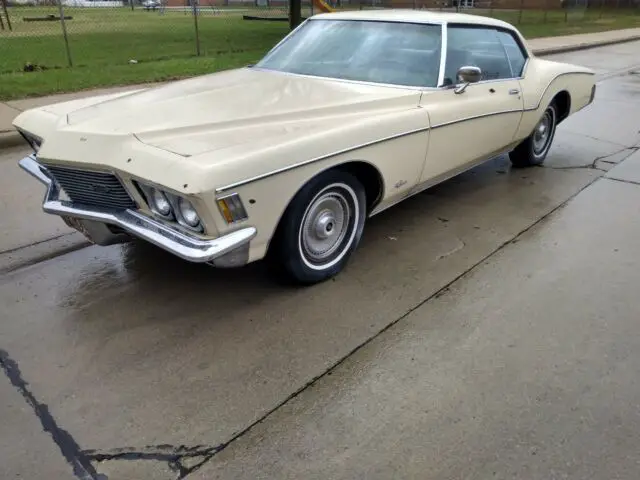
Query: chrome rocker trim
[[185, 247]]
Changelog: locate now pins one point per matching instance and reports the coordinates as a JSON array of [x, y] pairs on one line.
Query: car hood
[[227, 109]]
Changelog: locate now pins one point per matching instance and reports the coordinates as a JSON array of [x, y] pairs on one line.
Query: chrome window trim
[[443, 53], [494, 80], [443, 56], [443, 48], [524, 69], [284, 39], [495, 28], [506, 54], [521, 47], [392, 137], [360, 82], [345, 80]]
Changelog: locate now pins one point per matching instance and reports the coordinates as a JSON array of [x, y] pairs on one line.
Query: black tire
[[308, 258], [534, 149]]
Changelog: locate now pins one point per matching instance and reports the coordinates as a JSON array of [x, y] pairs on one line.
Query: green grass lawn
[[104, 40]]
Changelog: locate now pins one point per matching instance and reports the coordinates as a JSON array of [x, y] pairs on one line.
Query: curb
[[542, 52], [26, 256], [10, 139]]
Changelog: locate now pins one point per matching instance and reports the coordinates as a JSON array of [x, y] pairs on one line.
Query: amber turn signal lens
[[232, 209]]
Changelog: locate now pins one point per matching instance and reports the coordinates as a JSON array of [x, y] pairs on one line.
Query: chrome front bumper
[[184, 246]]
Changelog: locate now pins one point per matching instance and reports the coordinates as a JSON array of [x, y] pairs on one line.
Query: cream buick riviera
[[286, 159]]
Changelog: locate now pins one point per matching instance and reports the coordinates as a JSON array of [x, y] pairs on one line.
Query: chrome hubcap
[[325, 226], [542, 133]]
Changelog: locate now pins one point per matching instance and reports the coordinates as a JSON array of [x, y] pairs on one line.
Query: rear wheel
[[321, 228], [534, 149]]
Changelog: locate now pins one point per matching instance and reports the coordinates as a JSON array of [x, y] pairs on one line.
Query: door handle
[[514, 91]]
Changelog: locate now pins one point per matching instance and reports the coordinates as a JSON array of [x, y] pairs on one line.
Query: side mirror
[[467, 75]]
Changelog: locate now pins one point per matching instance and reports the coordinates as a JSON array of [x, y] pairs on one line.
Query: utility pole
[[64, 32], [196, 11], [6, 14], [295, 13]]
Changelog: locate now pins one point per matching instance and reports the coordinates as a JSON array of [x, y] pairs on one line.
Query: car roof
[[414, 16]]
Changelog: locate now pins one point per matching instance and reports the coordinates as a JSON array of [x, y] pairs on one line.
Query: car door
[[472, 125]]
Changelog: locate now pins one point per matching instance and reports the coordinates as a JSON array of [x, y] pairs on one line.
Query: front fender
[[267, 198]]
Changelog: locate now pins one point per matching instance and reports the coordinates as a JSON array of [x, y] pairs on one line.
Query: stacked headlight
[[159, 202], [188, 213], [170, 206]]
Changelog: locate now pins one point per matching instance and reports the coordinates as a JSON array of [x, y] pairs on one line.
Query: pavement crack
[[593, 137], [603, 158], [601, 77], [186, 460], [33, 244], [69, 449], [631, 182], [181, 459], [460, 245], [442, 291]]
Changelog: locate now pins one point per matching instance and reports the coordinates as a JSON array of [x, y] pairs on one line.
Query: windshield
[[370, 51]]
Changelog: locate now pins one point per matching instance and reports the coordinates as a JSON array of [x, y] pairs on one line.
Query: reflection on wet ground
[[155, 350]]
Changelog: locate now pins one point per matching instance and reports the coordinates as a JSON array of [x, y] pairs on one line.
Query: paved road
[[28, 225], [142, 366]]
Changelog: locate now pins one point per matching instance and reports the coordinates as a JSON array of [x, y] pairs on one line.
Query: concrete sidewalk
[[540, 46], [526, 367]]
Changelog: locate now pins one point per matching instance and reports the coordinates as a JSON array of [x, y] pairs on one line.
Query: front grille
[[91, 188]]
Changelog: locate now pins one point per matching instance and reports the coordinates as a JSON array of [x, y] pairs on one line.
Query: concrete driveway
[[486, 328]]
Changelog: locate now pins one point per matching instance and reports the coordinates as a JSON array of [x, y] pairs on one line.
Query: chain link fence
[[85, 43]]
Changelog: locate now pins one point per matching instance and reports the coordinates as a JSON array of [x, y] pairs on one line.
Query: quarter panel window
[[477, 47]]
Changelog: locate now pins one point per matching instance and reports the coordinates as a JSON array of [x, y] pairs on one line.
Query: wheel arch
[[369, 176], [559, 95], [367, 173], [562, 100]]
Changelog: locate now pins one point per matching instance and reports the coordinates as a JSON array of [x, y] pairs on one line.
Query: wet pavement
[[457, 342], [22, 221], [525, 368]]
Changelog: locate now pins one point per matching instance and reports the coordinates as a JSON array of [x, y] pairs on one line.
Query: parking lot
[[477, 333]]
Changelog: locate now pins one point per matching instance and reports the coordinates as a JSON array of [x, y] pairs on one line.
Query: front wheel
[[534, 149], [321, 228]]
